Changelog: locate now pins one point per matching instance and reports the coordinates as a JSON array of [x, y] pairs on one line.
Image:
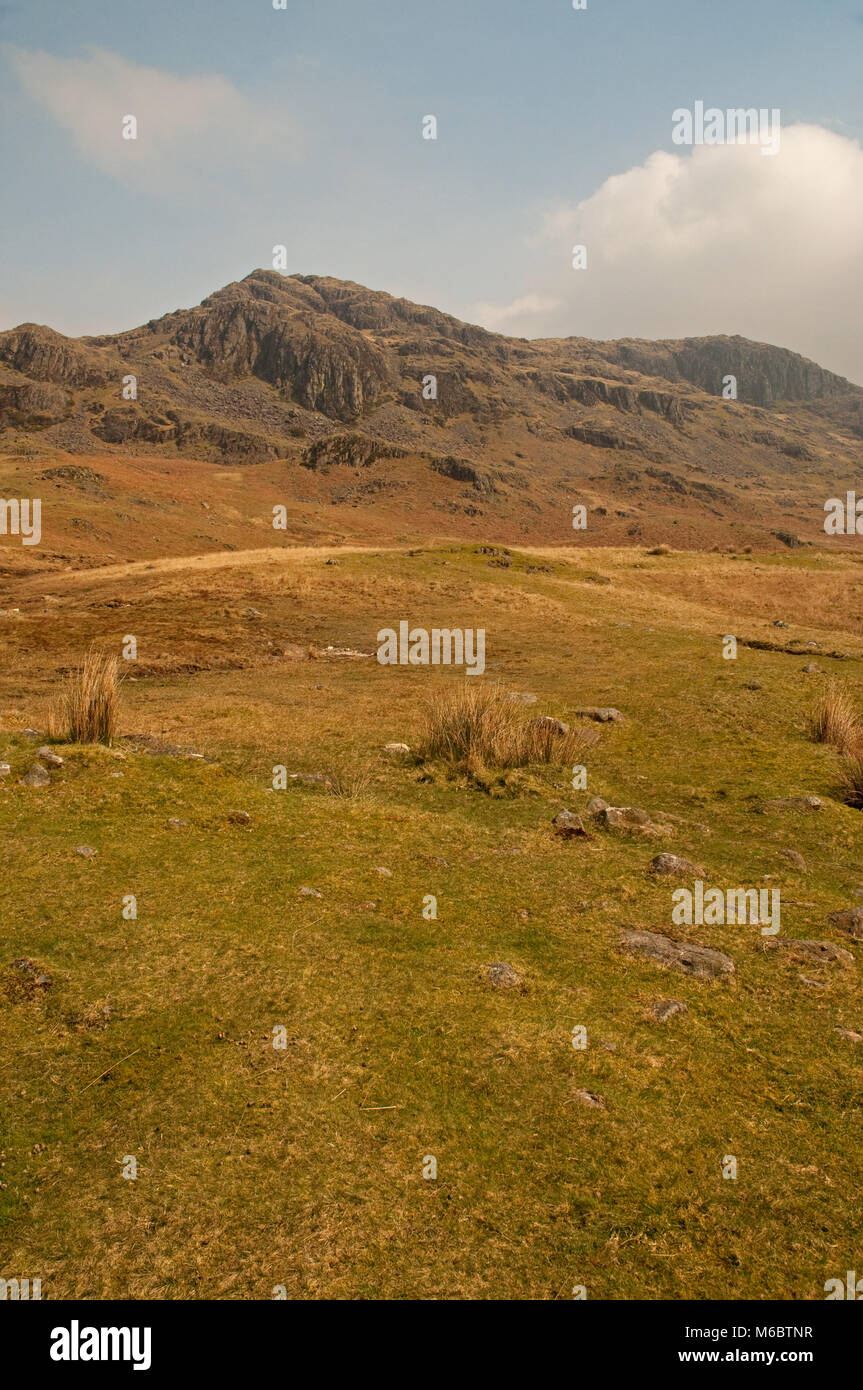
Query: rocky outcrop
[[44, 355]]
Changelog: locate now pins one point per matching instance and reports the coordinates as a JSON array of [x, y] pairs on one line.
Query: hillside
[[308, 392], [301, 908]]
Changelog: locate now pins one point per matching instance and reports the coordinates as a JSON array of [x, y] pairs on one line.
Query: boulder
[[50, 757], [567, 825], [663, 1009], [36, 777], [629, 820], [603, 714], [794, 858], [500, 975], [701, 961], [674, 864], [849, 920]]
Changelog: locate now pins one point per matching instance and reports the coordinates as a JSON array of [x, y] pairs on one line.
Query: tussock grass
[[348, 784], [852, 777], [87, 710], [478, 726], [834, 719]]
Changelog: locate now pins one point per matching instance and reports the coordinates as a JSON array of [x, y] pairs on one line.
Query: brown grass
[[87, 710], [478, 725], [834, 719], [852, 778]]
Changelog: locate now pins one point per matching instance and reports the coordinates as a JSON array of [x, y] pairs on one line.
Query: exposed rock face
[[764, 373], [701, 961], [41, 353], [259, 329]]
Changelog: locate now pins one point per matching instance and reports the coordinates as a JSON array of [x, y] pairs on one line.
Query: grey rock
[[396, 748], [792, 803], [310, 893], [849, 1035], [700, 961], [5, 769], [590, 1099], [174, 823], [239, 817], [663, 1009], [36, 777], [384, 873], [629, 820], [568, 825], [521, 697], [595, 805], [50, 757], [85, 851], [810, 669], [603, 714], [500, 975], [850, 920], [674, 864], [823, 951], [793, 857]]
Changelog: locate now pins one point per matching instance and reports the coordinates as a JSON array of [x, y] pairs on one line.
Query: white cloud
[[715, 240], [191, 130], [497, 316]]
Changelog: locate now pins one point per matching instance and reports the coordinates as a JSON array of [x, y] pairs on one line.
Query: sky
[[303, 127]]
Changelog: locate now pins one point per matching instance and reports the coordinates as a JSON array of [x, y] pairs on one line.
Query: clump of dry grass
[[852, 777], [87, 710], [348, 784], [835, 720], [478, 726]]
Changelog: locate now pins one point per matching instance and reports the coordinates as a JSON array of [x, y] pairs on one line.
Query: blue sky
[[303, 127]]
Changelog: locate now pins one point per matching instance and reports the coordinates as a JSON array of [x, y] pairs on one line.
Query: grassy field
[[302, 1166]]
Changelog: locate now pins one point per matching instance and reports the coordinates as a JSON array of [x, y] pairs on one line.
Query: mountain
[[318, 384]]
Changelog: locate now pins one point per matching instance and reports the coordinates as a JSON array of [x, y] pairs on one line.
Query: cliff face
[[286, 339], [765, 374], [44, 355]]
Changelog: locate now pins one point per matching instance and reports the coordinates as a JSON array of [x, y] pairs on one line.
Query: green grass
[[260, 1167]]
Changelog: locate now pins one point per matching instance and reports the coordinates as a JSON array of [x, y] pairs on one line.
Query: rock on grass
[[500, 975], [701, 961]]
